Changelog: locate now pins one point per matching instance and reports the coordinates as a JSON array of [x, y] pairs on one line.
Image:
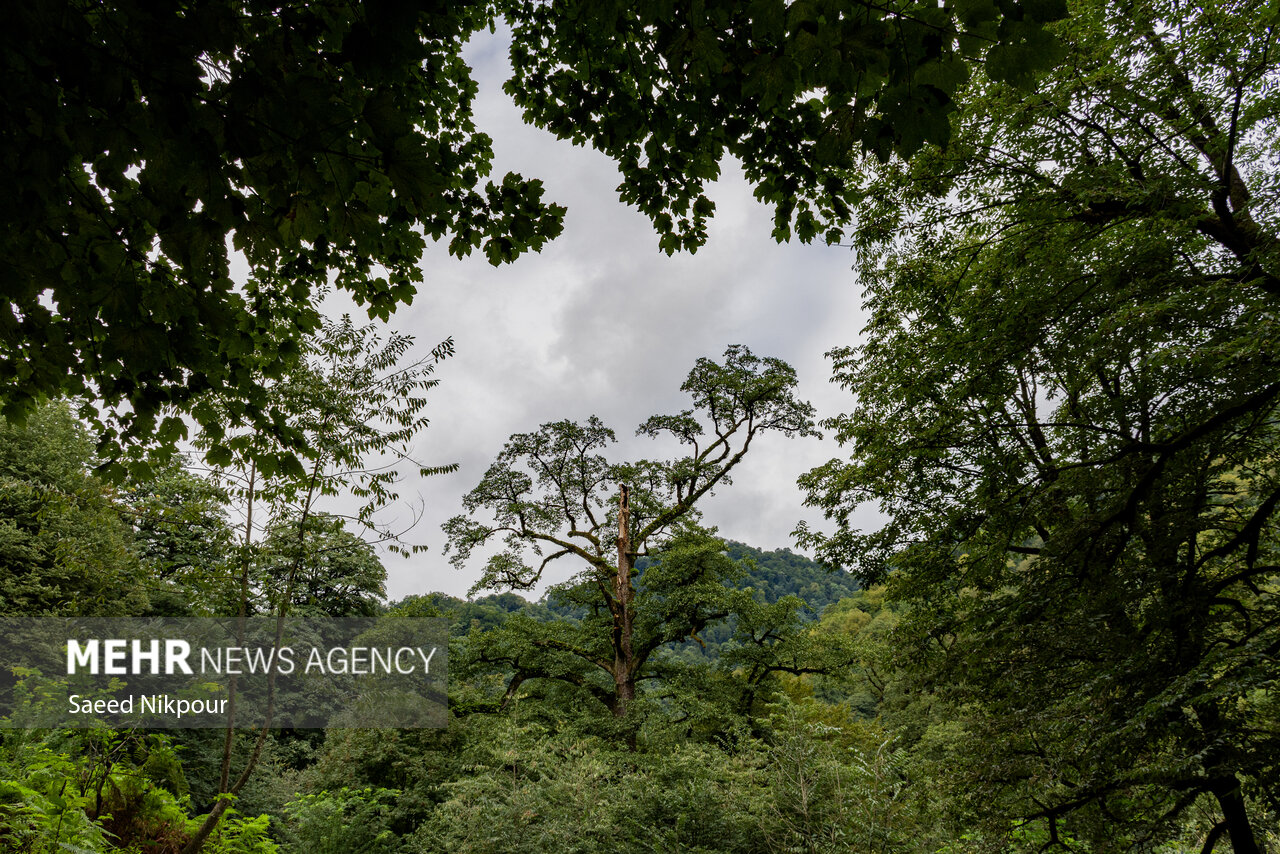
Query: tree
[[795, 91], [356, 413], [143, 144], [1066, 404], [354, 409], [337, 574], [183, 540], [551, 494], [682, 590], [65, 547]]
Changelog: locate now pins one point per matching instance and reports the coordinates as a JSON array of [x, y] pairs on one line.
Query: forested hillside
[[781, 572], [769, 576]]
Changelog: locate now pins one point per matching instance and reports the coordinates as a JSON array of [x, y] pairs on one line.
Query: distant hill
[[770, 574], [782, 572]]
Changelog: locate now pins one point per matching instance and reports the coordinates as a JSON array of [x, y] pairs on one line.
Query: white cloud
[[601, 322]]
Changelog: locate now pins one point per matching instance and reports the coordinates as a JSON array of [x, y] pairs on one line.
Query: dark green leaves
[[326, 144], [1066, 405], [795, 91], [318, 141]]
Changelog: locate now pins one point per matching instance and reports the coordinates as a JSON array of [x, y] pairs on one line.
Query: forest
[[1063, 633]]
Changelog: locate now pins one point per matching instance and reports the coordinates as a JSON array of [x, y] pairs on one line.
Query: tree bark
[[197, 841], [624, 612], [1234, 816], [1212, 839], [1224, 785]]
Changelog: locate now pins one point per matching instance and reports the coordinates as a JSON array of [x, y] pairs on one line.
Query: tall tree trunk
[[202, 834], [242, 613], [623, 659]]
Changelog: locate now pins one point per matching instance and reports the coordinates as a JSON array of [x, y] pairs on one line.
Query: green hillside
[[770, 575]]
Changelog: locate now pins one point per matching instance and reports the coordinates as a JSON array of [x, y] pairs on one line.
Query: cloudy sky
[[601, 322]]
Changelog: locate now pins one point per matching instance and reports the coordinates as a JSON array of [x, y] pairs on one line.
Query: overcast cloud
[[601, 322]]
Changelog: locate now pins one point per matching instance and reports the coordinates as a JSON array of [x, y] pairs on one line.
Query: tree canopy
[[795, 91], [553, 489], [144, 144], [1066, 404]]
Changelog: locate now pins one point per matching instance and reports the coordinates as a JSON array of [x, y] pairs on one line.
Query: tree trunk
[[197, 841], [1212, 839], [623, 593], [242, 614], [1224, 785], [1234, 816]]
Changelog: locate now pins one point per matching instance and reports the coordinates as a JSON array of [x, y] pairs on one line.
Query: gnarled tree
[[552, 494]]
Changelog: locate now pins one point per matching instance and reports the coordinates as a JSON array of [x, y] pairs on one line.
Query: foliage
[[552, 489], [102, 790], [64, 547], [344, 821], [683, 591], [769, 577], [530, 790], [812, 785], [356, 411], [146, 143], [335, 573], [353, 406], [183, 540], [1066, 406], [792, 90], [34, 821], [328, 142], [864, 625], [782, 572], [481, 612], [239, 834], [831, 793]]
